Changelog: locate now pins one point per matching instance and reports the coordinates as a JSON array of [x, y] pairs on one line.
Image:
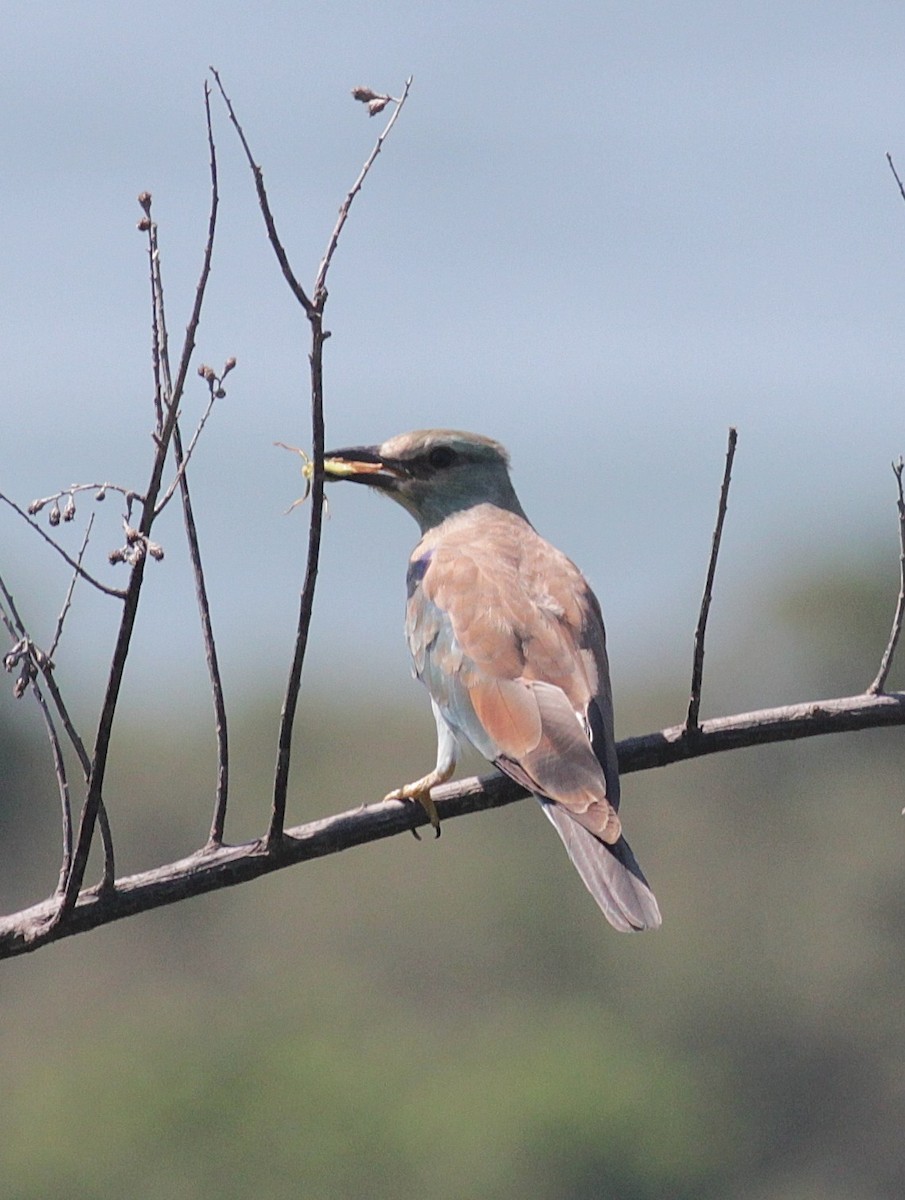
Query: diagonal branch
[[117, 593], [38, 661], [67, 603], [185, 456], [896, 175], [282, 258], [227, 866]]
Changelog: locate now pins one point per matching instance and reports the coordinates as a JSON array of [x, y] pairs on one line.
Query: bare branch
[[100, 490], [188, 345], [215, 392], [58, 632], [208, 871], [168, 413], [215, 388], [117, 593], [314, 312], [210, 648], [896, 176], [321, 280], [697, 670], [59, 766], [306, 603], [318, 337], [42, 662], [288, 274], [33, 660], [886, 662]]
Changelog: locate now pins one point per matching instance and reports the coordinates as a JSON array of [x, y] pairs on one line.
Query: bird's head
[[433, 473]]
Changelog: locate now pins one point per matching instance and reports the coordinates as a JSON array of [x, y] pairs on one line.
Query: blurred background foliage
[[455, 1019]]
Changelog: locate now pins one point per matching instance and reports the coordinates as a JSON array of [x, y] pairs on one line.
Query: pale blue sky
[[601, 232]]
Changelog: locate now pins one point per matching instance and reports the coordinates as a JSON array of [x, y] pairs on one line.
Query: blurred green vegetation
[[454, 1019]]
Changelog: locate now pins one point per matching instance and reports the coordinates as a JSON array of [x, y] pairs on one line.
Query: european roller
[[507, 637]]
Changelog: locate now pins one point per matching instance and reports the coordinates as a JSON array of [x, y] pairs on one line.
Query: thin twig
[[185, 457], [208, 871], [78, 745], [75, 739], [697, 669], [67, 603], [191, 330], [314, 311], [100, 490], [210, 651], [288, 274], [321, 280], [886, 662], [117, 593], [896, 176], [43, 663], [59, 766], [191, 531], [306, 603], [132, 594]]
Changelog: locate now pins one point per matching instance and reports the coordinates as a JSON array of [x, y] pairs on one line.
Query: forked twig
[[314, 311], [879, 684], [306, 605], [321, 280], [184, 457], [697, 669]]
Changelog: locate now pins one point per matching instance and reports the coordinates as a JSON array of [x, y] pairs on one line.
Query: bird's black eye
[[442, 457]]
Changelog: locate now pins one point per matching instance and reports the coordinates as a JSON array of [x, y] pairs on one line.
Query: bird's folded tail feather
[[610, 873]]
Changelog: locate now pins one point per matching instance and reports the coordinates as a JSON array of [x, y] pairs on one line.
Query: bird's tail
[[610, 873]]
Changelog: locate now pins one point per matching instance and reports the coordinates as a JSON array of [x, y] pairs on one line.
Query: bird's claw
[[420, 791]]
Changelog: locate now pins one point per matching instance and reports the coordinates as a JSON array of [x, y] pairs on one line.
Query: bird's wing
[[509, 640], [507, 636]]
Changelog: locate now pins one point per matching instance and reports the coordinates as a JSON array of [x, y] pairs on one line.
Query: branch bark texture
[[213, 868]]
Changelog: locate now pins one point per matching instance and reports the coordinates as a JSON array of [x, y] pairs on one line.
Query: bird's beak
[[363, 464]]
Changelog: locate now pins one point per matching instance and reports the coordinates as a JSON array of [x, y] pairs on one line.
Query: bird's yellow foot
[[420, 790]]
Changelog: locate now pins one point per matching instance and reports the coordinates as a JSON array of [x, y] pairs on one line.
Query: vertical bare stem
[[210, 651], [290, 701], [171, 394], [697, 669], [59, 766], [210, 648], [42, 662], [879, 683]]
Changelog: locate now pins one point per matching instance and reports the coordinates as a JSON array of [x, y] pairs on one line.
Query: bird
[[508, 638]]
